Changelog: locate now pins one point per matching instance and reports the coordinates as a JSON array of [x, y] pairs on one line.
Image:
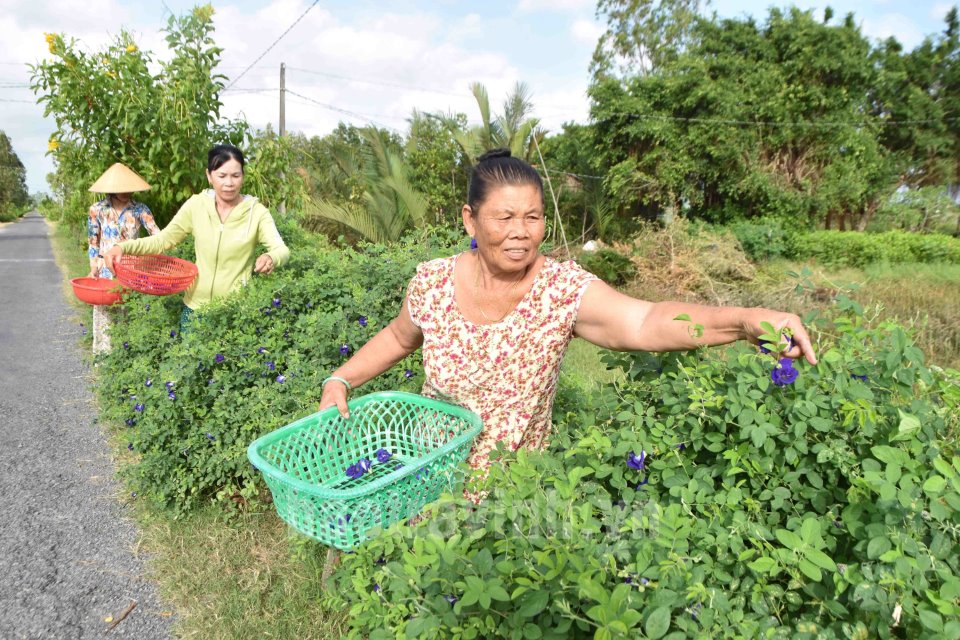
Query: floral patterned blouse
[[505, 372], [106, 228]]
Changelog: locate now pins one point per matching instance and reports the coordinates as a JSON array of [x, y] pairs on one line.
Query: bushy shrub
[[858, 249], [701, 500], [193, 401], [764, 238], [610, 266]]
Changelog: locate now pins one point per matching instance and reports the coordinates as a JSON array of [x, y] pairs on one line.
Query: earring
[[473, 243]]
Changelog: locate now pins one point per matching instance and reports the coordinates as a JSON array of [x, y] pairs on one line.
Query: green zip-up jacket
[[226, 252]]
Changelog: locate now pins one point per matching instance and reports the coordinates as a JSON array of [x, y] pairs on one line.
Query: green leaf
[[685, 317], [820, 559], [931, 620], [908, 428], [810, 570], [534, 603], [763, 564], [934, 484], [591, 589], [789, 539], [658, 623]]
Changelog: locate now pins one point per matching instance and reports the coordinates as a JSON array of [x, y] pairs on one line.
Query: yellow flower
[[131, 48], [49, 37], [105, 61], [52, 144], [111, 74]]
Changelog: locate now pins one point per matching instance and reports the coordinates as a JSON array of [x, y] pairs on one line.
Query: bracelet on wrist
[[338, 379]]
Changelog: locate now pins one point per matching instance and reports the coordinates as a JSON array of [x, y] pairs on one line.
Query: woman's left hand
[[264, 264]]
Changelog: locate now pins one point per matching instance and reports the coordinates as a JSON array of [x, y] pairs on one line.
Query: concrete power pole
[[283, 117]]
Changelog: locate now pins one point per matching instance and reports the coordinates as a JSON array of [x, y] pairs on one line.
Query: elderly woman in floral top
[[111, 220], [495, 322]]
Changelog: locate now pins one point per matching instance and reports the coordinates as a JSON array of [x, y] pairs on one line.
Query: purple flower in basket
[[354, 471], [383, 455], [365, 464]]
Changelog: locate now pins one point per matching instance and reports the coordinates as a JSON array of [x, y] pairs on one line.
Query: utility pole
[[283, 118]]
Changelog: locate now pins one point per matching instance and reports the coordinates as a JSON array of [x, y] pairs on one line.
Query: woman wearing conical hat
[[114, 219]]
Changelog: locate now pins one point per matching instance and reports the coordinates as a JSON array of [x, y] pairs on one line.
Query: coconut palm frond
[[357, 218]]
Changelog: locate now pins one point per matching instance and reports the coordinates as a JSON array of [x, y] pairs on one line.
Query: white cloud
[[586, 31], [897, 25], [365, 67], [556, 5], [939, 11]]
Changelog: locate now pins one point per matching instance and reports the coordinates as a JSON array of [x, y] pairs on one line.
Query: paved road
[[67, 546]]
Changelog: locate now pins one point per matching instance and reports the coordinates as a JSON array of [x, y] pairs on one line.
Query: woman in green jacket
[[227, 227]]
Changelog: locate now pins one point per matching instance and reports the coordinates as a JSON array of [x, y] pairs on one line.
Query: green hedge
[[855, 249], [192, 403], [829, 508]]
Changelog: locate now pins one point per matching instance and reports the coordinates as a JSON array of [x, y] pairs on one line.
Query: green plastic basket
[[305, 464]]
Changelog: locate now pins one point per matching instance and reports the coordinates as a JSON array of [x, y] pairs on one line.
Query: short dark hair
[[497, 168], [221, 154]]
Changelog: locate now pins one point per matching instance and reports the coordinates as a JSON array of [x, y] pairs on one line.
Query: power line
[[12, 100], [343, 111], [315, 2]]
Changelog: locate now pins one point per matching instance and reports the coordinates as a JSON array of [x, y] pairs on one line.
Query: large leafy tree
[[643, 35], [922, 88], [13, 178], [109, 107], [749, 119], [437, 167]]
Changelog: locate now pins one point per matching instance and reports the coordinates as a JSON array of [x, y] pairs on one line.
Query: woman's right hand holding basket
[[113, 254], [335, 391]]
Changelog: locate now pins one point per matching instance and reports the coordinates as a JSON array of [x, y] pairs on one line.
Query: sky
[[368, 61]]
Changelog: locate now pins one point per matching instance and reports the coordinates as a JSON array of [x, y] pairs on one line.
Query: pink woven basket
[[156, 274]]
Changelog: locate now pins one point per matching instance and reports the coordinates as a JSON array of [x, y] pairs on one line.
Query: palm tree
[[513, 129], [384, 204]]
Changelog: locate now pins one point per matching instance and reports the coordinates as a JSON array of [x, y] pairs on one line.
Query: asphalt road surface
[[68, 549]]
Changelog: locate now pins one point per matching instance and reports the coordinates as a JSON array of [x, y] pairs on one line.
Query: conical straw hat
[[119, 179]]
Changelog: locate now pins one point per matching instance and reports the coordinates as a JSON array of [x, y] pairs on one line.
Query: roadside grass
[[237, 575]]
